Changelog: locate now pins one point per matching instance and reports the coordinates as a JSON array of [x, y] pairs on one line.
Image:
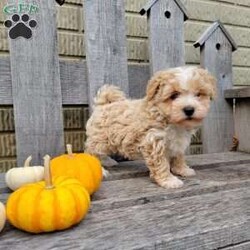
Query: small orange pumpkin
[[84, 167], [48, 206]]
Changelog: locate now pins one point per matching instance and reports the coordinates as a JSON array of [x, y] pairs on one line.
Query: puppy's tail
[[108, 94]]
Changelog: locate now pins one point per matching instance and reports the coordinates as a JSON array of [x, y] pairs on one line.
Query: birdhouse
[[166, 33], [216, 46]]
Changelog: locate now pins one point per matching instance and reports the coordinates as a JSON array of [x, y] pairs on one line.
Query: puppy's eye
[[174, 95], [199, 94]]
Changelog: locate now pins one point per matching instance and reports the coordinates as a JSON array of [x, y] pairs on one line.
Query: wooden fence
[[38, 84]]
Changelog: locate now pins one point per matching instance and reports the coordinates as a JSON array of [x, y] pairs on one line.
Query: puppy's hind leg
[[101, 151], [154, 152]]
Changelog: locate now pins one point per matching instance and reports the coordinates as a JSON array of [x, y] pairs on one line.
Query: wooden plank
[[241, 246], [135, 169], [74, 82], [205, 181], [138, 76], [37, 90], [218, 128], [105, 45], [237, 93], [205, 161], [242, 124], [197, 222], [193, 217], [166, 36]]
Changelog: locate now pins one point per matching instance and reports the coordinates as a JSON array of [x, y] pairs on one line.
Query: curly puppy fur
[[157, 128]]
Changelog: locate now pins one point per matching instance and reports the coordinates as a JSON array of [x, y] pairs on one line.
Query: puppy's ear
[[157, 82], [152, 88]]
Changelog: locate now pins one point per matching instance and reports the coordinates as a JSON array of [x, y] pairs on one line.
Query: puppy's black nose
[[189, 111]]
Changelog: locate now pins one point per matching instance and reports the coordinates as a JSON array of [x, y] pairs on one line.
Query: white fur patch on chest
[[177, 140]]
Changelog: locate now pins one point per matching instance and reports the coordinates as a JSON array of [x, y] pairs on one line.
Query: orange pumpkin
[[48, 206], [84, 167]]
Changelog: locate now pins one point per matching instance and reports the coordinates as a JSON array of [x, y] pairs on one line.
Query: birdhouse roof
[[150, 3], [210, 30]]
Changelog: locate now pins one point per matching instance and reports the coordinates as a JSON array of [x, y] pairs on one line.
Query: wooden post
[[166, 33], [216, 47], [105, 45], [36, 88]]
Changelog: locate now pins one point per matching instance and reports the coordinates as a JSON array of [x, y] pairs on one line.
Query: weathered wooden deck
[[211, 211]]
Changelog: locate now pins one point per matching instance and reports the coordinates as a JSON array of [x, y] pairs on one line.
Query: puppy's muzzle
[[189, 111]]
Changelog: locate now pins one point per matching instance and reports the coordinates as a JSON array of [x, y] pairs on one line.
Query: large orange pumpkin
[[84, 167], [48, 206]]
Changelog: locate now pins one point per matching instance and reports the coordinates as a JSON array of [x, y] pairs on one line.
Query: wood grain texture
[[36, 89], [166, 36], [209, 212], [242, 124], [105, 38], [218, 127], [205, 181], [237, 93], [74, 82]]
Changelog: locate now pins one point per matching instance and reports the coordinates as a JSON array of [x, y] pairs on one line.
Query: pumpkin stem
[[47, 173], [69, 150], [27, 161]]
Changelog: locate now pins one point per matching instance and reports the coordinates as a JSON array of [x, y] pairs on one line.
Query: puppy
[[157, 128]]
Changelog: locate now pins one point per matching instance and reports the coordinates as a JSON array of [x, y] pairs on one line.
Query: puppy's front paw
[[184, 172], [171, 182]]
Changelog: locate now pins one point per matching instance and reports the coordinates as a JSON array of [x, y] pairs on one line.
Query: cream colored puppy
[[158, 127]]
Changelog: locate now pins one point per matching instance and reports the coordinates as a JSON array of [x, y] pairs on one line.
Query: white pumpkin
[[2, 216], [17, 177]]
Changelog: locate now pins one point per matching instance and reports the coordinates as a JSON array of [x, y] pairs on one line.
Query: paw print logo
[[20, 26]]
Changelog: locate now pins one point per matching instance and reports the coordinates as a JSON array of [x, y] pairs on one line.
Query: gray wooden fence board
[[138, 76], [36, 89], [218, 127], [106, 51], [209, 222], [242, 124], [74, 82], [166, 39]]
